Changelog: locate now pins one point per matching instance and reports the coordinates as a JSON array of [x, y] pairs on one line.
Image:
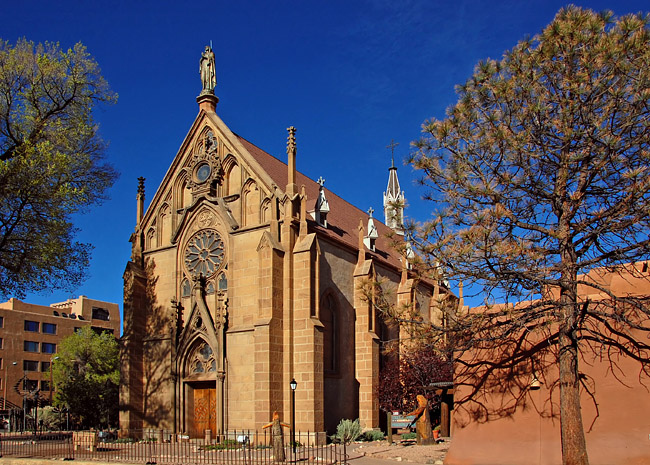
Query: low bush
[[372, 435]]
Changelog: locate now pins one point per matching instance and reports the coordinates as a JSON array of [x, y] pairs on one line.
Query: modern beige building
[[246, 275], [29, 337]]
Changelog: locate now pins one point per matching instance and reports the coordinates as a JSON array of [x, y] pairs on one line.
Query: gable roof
[[343, 218]]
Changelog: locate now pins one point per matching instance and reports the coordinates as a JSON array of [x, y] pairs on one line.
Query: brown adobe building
[[29, 337], [528, 433], [245, 275]]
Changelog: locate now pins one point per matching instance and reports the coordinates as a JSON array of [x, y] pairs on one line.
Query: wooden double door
[[205, 408]]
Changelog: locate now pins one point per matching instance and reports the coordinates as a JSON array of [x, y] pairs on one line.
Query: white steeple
[[372, 235], [322, 205], [394, 198]]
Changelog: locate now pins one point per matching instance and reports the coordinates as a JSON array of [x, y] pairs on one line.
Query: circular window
[[204, 253], [203, 172]]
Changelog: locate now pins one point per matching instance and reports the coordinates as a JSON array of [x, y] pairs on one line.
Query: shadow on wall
[[146, 347]]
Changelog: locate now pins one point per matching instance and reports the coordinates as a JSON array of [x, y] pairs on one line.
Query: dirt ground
[[406, 451]]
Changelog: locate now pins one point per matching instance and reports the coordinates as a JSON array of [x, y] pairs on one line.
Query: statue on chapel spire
[[208, 71]]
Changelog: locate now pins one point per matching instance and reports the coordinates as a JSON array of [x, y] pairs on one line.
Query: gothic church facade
[[246, 275]]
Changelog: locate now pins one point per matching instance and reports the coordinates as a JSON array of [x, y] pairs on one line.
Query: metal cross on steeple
[[392, 146]]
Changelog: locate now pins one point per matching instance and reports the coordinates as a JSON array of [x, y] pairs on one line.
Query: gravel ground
[[406, 451]]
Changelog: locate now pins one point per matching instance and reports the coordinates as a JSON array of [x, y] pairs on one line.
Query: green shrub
[[410, 436], [226, 444], [372, 435], [347, 431]]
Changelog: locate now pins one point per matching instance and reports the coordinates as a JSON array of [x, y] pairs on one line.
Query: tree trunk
[[574, 445]]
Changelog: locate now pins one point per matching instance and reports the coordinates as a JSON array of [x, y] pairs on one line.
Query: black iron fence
[[163, 447]]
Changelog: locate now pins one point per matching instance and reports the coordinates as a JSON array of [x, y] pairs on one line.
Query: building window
[[329, 316], [49, 328], [203, 359], [30, 365], [48, 348], [31, 326], [30, 346], [223, 282], [2, 322], [100, 314], [45, 385], [1, 343], [186, 290], [45, 367], [100, 331], [30, 385]]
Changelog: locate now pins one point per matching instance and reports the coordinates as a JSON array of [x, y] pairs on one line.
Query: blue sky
[[349, 75]]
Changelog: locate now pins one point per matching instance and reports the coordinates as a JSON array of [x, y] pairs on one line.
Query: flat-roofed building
[[30, 335]]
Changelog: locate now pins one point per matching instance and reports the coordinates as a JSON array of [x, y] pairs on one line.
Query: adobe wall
[[618, 433]]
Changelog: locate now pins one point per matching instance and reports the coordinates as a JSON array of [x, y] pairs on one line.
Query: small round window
[[203, 172]]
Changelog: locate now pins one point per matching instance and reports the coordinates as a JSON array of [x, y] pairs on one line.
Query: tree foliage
[[50, 162], [540, 174], [86, 373], [409, 375]]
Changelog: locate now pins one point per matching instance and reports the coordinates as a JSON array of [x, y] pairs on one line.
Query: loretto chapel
[[244, 282]]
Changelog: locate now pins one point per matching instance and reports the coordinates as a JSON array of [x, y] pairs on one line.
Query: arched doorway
[[200, 390]]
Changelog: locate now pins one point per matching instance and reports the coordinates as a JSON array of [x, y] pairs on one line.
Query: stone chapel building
[[244, 276]]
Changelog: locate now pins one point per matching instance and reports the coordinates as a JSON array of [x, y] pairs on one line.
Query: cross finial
[[321, 181], [371, 211], [392, 146], [141, 185], [291, 140]]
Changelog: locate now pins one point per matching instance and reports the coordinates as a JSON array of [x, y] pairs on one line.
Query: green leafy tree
[[50, 162], [86, 373], [540, 174]]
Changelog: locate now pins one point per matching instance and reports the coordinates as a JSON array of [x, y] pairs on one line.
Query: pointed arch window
[[223, 282], [330, 317], [186, 288], [202, 359]]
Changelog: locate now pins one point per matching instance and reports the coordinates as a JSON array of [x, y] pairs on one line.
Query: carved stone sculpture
[[208, 71]]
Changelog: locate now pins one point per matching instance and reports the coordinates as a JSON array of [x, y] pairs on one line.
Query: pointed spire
[[303, 212], [362, 252], [372, 235], [409, 255], [292, 188], [140, 201], [394, 198], [322, 205]]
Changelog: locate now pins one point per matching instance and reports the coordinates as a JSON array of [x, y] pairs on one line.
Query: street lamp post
[[293, 384], [51, 363], [24, 400], [4, 401]]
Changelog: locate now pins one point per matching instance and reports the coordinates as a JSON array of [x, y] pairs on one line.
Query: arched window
[[233, 177], [202, 359], [251, 204], [329, 316], [150, 240], [165, 222], [186, 288], [223, 282]]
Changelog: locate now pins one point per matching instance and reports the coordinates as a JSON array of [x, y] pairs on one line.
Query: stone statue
[[277, 437], [422, 421], [207, 70]]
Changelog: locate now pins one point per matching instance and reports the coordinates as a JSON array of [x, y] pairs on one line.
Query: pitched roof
[[343, 218]]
